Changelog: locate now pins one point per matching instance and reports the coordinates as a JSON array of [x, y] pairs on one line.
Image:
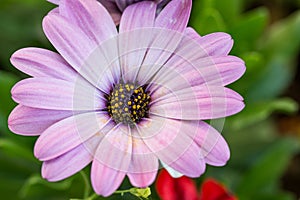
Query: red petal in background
[[169, 188], [212, 190]]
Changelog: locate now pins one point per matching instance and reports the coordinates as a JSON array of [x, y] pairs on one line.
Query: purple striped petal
[[144, 163], [96, 63], [139, 15], [69, 40], [216, 44], [43, 63], [197, 103], [91, 17], [57, 94], [179, 73], [68, 134], [22, 118], [214, 148], [111, 160], [135, 37], [112, 9], [168, 140], [67, 164], [105, 180], [175, 15]]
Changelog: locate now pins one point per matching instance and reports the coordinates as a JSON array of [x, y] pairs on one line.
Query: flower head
[[128, 99]]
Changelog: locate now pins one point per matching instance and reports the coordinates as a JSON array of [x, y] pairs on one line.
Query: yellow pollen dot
[[136, 91], [126, 109], [129, 103], [138, 106], [132, 87], [122, 96], [134, 107]]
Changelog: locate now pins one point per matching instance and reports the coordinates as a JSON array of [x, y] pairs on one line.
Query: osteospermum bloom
[[116, 7], [126, 100]]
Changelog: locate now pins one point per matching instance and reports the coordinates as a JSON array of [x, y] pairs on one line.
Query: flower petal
[[67, 164], [214, 148], [144, 163], [111, 160], [196, 103], [29, 121], [169, 188], [171, 171], [50, 93], [112, 9], [69, 40], [68, 134], [91, 17], [138, 15], [135, 37], [215, 44], [43, 63], [180, 72], [105, 180], [175, 15], [167, 138]]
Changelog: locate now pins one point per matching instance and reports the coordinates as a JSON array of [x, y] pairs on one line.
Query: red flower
[[184, 188], [213, 190]]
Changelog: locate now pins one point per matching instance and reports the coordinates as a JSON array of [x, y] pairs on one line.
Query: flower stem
[[86, 185]]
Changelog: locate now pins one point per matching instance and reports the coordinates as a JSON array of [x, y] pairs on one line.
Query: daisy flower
[[127, 100], [116, 7]]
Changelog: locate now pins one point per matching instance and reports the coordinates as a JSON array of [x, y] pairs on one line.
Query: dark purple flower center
[[128, 103]]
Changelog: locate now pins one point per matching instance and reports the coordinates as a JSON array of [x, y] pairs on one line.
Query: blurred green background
[[264, 138]]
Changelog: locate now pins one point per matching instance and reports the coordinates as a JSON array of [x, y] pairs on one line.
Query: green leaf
[[7, 81], [209, 21], [37, 180], [248, 29], [15, 149], [256, 112], [280, 47], [268, 168], [229, 9]]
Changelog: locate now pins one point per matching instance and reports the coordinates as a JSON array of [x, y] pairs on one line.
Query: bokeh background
[[264, 138]]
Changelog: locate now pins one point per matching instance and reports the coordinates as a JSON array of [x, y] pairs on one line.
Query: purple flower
[[126, 100], [116, 7]]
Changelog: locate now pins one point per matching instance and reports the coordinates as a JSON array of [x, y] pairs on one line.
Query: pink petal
[[91, 17], [67, 164], [43, 63], [134, 39], [138, 15], [216, 44], [214, 148], [183, 72], [68, 134], [50, 93], [197, 103], [112, 9], [111, 160], [175, 15], [98, 63], [32, 121], [144, 163], [69, 40], [169, 141], [105, 180]]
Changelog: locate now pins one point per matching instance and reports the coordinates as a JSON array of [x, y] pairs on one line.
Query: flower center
[[128, 104]]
